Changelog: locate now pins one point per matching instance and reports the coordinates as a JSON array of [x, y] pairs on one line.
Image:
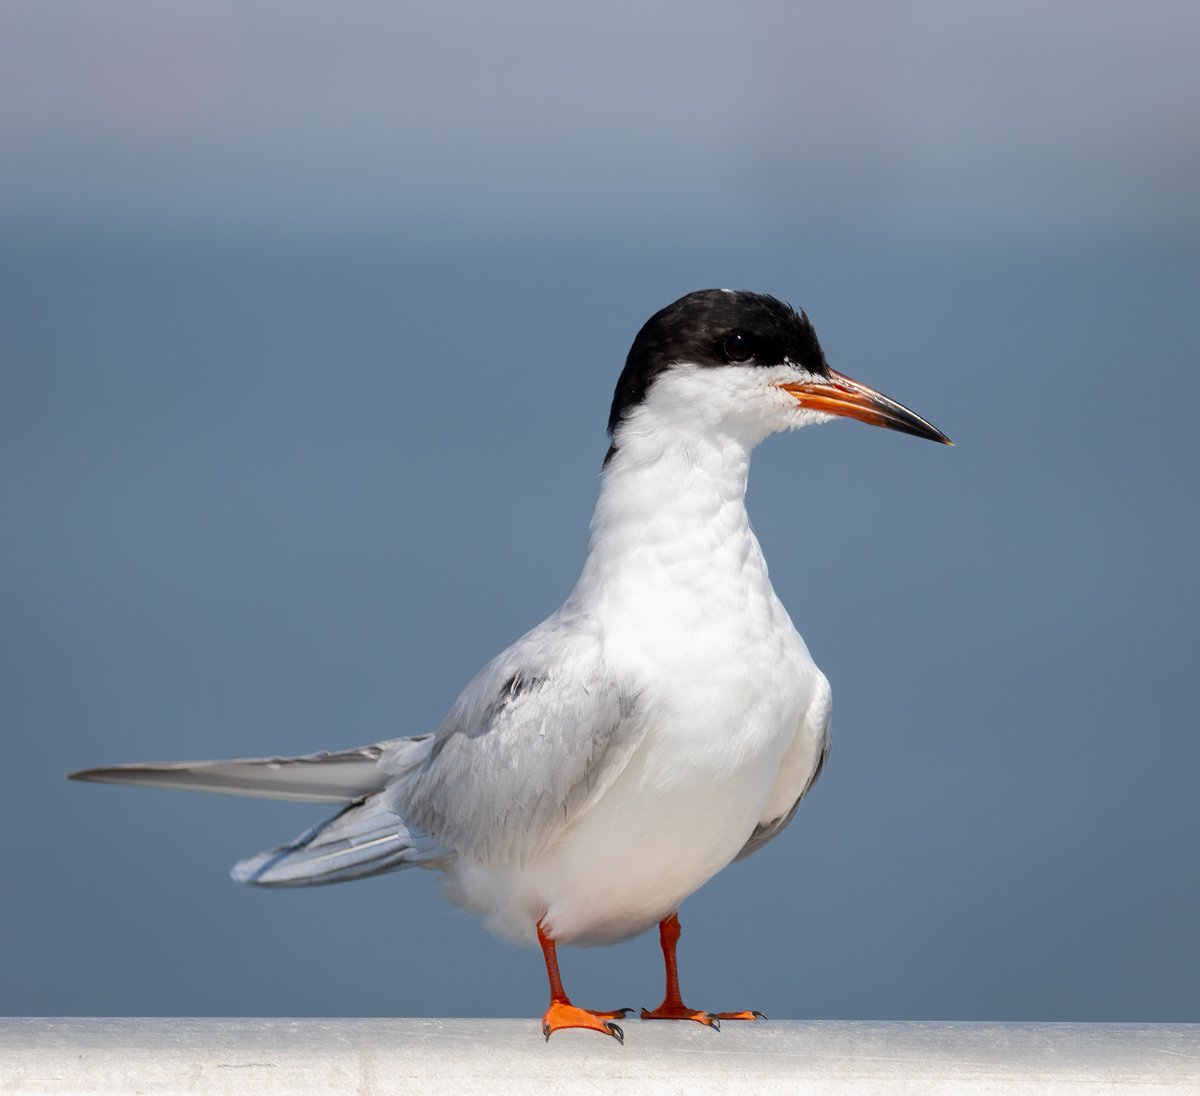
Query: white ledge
[[364, 1057]]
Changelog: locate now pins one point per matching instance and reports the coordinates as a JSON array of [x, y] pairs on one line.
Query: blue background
[[310, 320]]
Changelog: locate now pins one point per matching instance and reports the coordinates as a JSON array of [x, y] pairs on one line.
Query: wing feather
[[529, 743], [801, 767], [363, 839]]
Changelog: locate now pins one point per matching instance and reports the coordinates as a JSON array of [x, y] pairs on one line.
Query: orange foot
[[561, 1015], [667, 1011], [682, 1012]]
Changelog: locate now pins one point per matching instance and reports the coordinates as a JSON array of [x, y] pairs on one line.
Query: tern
[[664, 722]]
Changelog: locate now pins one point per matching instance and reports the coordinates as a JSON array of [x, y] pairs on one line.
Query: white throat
[[671, 540]]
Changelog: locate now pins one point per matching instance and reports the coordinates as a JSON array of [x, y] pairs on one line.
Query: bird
[[666, 720]]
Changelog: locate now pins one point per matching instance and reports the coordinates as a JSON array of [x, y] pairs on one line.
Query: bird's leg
[[673, 1007], [563, 1014]]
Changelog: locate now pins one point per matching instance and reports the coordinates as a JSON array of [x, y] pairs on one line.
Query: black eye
[[737, 347]]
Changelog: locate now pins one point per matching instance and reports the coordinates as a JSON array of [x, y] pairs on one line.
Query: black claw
[[546, 1031], [645, 1014], [716, 1024], [625, 1012], [758, 1015], [615, 1031]]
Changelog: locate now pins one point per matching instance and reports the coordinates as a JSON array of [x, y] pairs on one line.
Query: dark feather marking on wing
[[515, 687]]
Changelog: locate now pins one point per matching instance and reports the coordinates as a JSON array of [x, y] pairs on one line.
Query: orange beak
[[839, 395]]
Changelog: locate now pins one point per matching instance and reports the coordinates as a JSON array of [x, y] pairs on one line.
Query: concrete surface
[[365, 1057]]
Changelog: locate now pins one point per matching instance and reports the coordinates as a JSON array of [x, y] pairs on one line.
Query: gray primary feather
[[364, 839], [314, 778], [528, 743]]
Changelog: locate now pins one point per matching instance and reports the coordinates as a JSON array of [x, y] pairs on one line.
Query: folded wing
[[539, 733]]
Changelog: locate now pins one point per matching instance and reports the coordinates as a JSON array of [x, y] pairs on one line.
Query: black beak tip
[[919, 428]]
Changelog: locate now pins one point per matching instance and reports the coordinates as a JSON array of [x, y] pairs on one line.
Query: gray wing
[[767, 831], [539, 733], [798, 772], [364, 839]]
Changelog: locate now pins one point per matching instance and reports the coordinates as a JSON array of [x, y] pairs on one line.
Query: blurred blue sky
[[935, 117], [309, 323]]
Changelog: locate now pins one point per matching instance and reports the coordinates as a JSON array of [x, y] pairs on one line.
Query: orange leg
[[673, 1007], [563, 1014]]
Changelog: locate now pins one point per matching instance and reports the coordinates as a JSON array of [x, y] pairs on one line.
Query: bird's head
[[743, 364]]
